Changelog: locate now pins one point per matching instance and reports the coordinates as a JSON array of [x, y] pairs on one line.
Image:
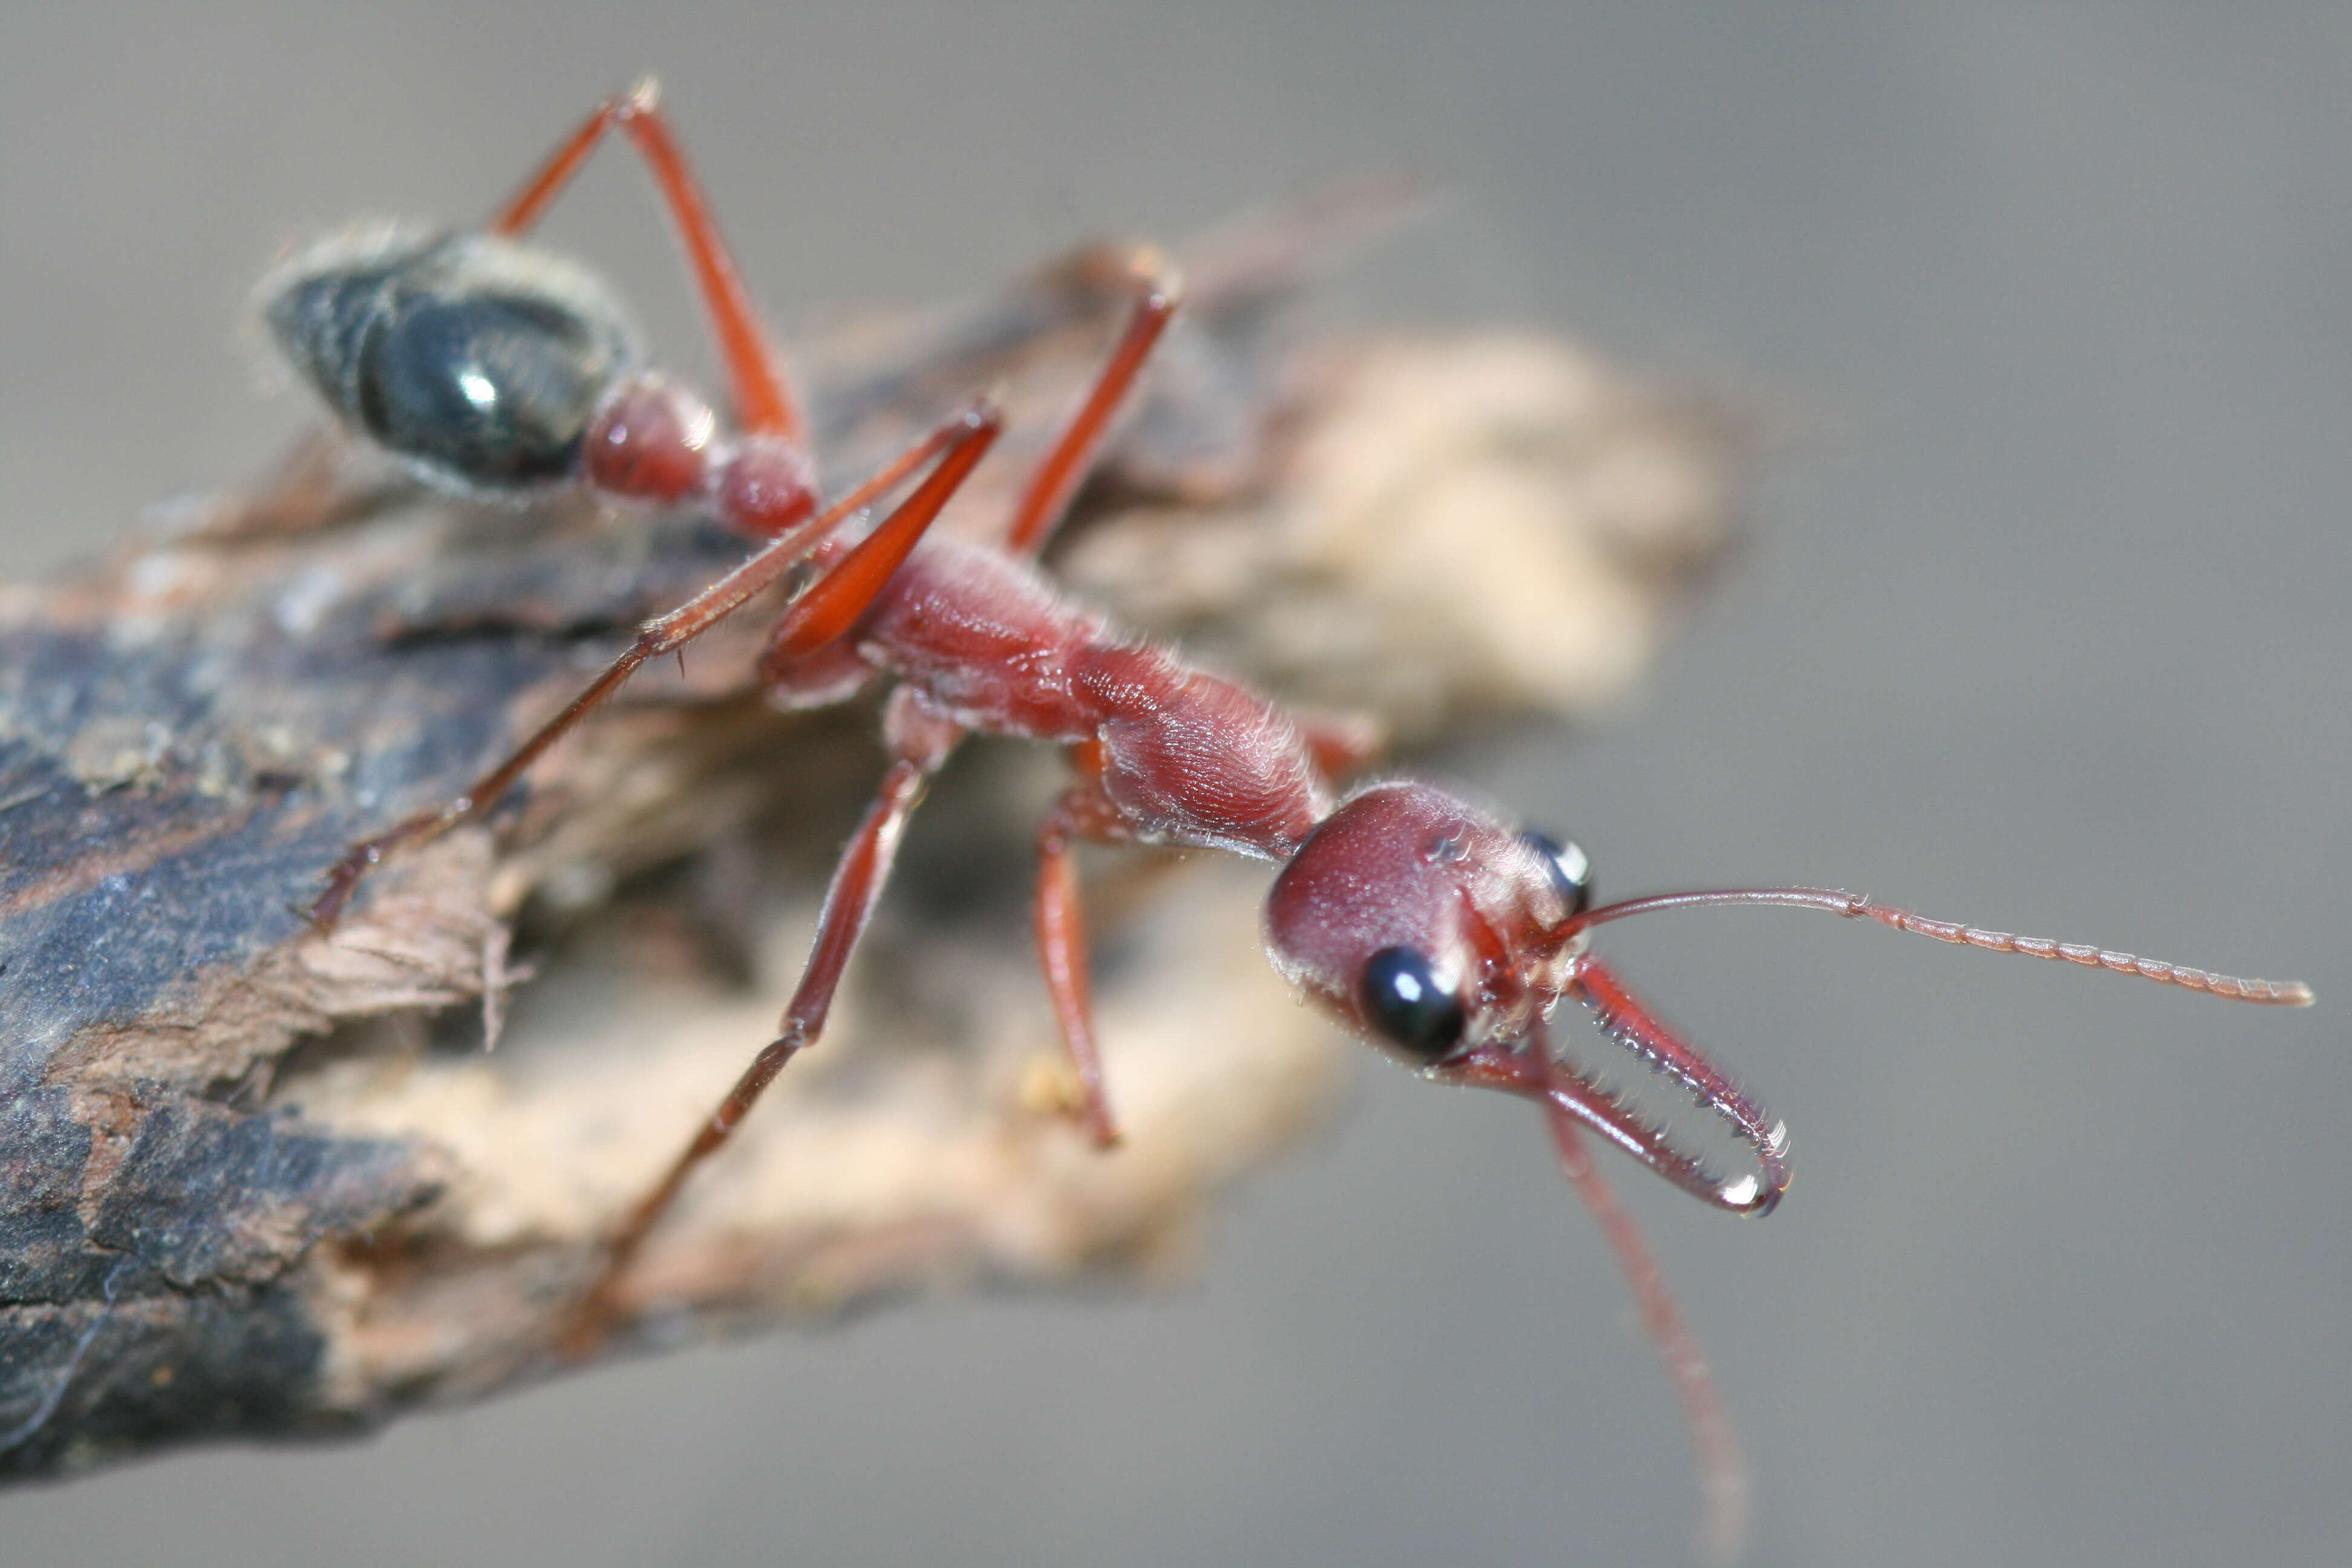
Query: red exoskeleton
[[1423, 923]]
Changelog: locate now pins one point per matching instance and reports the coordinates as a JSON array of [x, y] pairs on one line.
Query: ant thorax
[[477, 361]]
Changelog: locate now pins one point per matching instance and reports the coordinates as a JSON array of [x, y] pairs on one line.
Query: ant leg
[[1066, 465], [1062, 949], [865, 865], [764, 402], [521, 212], [831, 606], [922, 740], [1723, 1474], [961, 440]]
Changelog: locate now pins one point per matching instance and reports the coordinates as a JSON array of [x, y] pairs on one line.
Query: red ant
[[1423, 923]]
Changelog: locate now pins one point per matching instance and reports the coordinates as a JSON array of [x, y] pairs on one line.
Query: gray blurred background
[[2042, 626]]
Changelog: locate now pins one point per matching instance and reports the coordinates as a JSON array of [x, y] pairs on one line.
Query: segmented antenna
[[1857, 906]]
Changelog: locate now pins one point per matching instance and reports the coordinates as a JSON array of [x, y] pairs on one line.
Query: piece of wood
[[255, 1181]]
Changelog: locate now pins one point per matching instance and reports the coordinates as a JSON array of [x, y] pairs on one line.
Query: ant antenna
[[1853, 906]]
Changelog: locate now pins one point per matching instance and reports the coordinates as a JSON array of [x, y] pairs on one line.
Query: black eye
[[1407, 1006], [1571, 869]]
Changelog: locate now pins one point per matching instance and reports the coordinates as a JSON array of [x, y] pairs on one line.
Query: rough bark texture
[[255, 1181]]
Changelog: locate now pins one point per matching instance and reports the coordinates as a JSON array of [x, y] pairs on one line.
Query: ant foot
[[344, 877], [343, 881]]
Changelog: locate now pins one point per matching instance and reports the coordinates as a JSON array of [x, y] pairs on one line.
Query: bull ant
[[1422, 923]]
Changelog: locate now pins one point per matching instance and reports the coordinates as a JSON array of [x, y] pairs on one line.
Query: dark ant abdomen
[[497, 390], [478, 361]]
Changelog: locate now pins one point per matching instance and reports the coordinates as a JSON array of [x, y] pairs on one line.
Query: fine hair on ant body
[[1423, 923]]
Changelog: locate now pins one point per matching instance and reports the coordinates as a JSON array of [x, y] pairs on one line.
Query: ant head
[[1448, 936], [1426, 925]]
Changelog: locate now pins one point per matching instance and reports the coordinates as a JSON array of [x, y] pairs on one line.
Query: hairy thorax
[[1185, 757]]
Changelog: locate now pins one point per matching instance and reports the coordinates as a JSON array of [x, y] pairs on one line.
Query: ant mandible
[[1421, 922]]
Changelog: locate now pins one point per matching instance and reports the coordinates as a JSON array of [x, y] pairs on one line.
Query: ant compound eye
[[1571, 869], [1409, 1006]]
